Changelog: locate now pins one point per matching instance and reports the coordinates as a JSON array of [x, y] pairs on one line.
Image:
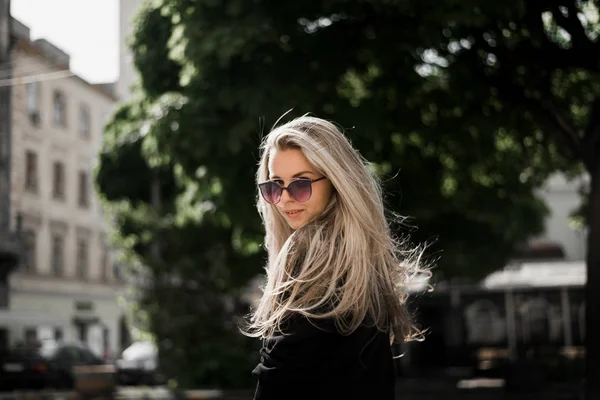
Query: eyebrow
[[295, 175]]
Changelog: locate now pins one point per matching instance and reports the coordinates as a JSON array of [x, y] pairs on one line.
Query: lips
[[293, 213]]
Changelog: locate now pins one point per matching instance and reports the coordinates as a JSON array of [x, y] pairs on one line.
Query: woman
[[336, 278]]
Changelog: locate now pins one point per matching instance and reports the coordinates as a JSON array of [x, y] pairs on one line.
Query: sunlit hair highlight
[[345, 265]]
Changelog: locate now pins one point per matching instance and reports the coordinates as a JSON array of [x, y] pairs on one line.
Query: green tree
[[537, 65], [455, 153]]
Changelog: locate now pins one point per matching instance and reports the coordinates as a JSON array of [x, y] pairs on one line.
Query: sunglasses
[[299, 189]]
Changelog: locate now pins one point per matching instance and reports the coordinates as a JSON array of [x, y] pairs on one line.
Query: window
[[105, 272], [107, 265], [82, 332], [484, 323], [31, 171], [540, 321], [30, 335], [82, 258], [84, 121], [32, 102], [104, 264], [32, 96], [29, 251], [59, 109], [86, 306], [84, 193], [58, 334], [58, 244], [58, 187]]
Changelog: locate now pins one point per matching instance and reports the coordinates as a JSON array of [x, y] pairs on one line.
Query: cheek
[[321, 201]]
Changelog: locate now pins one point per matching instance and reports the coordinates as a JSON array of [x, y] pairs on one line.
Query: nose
[[285, 198]]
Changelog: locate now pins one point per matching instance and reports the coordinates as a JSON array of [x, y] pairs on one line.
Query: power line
[[24, 70], [8, 64], [36, 78], [12, 66], [30, 69], [10, 69]]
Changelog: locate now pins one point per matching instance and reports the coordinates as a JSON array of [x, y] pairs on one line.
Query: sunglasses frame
[[282, 188]]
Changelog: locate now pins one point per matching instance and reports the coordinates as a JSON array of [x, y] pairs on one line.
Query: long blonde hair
[[345, 264]]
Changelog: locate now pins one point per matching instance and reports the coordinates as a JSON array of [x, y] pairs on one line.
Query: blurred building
[[9, 243], [524, 323], [64, 287], [127, 74]]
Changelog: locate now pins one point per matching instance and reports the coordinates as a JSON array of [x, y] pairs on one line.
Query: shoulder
[[300, 328], [317, 334], [316, 345]]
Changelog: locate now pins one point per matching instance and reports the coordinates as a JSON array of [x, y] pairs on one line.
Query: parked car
[[138, 365], [45, 365]]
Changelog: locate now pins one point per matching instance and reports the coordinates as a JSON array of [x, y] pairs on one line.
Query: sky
[[87, 30]]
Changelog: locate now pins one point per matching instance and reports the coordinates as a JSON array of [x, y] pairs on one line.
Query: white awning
[[538, 275]]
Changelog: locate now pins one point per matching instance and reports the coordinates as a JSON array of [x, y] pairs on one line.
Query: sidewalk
[[481, 389], [406, 389]]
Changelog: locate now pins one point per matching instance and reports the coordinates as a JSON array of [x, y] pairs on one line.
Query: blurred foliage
[[457, 104]]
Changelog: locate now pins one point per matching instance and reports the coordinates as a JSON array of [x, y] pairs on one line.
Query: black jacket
[[310, 362]]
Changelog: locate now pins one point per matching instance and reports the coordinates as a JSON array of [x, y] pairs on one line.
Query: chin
[[295, 224]]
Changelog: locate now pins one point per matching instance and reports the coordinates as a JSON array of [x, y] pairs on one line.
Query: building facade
[[127, 74], [9, 240], [65, 287]]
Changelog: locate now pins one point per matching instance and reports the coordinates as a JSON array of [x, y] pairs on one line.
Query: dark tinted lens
[[270, 191], [300, 190]]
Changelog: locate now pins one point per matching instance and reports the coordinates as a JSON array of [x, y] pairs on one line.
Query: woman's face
[[290, 164]]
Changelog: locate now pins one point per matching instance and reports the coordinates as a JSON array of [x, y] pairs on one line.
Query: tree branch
[[549, 52], [548, 55], [570, 137], [572, 25], [545, 111]]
